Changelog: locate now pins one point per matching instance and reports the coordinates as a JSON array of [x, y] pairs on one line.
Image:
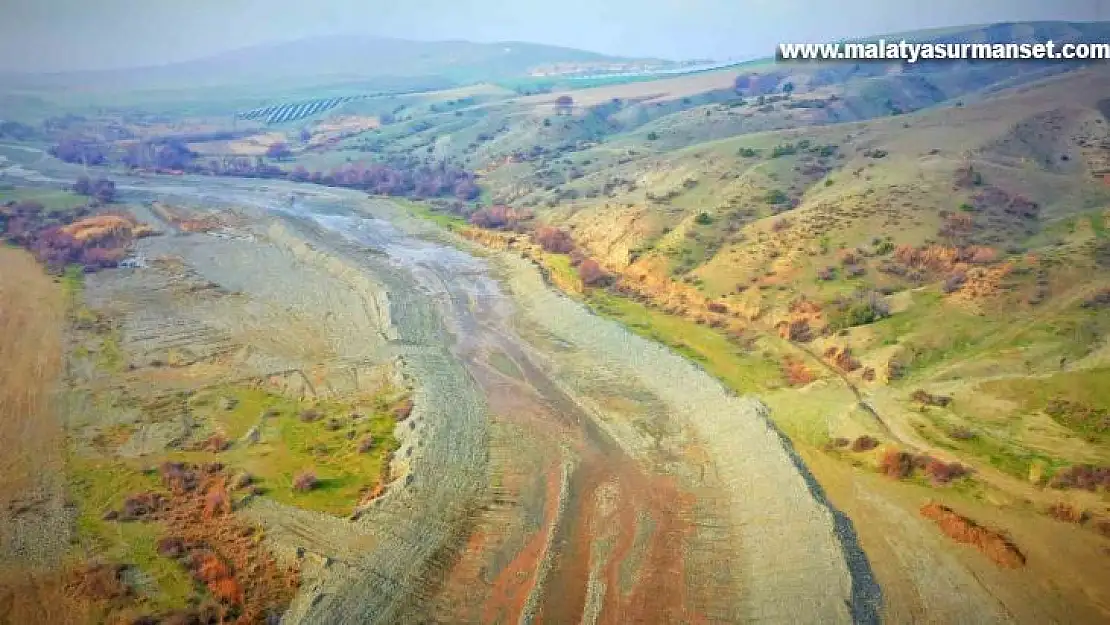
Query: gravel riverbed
[[558, 466]]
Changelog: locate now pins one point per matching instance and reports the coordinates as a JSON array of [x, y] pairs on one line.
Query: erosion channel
[[556, 468]]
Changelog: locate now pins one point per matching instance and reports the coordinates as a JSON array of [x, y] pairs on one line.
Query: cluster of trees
[[409, 178], [167, 155], [57, 249], [559, 241], [240, 166], [82, 151], [280, 151], [20, 220], [102, 189], [592, 274], [27, 224], [564, 104], [498, 217]]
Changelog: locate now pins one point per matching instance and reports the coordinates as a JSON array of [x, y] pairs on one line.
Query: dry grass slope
[[31, 436], [31, 320]]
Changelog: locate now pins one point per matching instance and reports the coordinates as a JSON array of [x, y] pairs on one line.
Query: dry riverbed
[[535, 476], [484, 449]]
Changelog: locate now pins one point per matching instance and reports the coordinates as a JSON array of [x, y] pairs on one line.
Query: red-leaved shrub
[[961, 529], [304, 481], [940, 473], [1082, 476], [896, 464], [554, 239], [592, 274]]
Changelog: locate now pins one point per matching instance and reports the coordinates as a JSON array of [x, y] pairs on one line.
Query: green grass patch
[[54, 201], [101, 485], [1000, 454], [1098, 225], [933, 333], [561, 272], [502, 363], [73, 284], [1089, 387], [109, 355], [445, 220], [739, 370], [328, 445], [1006, 457]]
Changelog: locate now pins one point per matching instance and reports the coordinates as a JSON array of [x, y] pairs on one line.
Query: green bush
[[776, 196], [703, 219], [784, 149], [862, 309]]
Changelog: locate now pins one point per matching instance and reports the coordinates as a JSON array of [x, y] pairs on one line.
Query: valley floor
[[551, 465]]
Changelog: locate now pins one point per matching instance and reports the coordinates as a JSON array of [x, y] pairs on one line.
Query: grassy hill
[[882, 229], [959, 249]]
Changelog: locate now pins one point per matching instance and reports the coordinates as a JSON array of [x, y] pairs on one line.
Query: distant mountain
[[341, 58]]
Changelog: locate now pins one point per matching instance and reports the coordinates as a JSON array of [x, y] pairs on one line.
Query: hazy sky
[[47, 35]]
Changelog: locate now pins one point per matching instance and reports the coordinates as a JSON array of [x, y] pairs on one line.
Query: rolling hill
[[332, 60]]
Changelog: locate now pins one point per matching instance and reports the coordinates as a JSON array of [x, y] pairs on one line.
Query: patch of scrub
[[347, 446], [98, 486]]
